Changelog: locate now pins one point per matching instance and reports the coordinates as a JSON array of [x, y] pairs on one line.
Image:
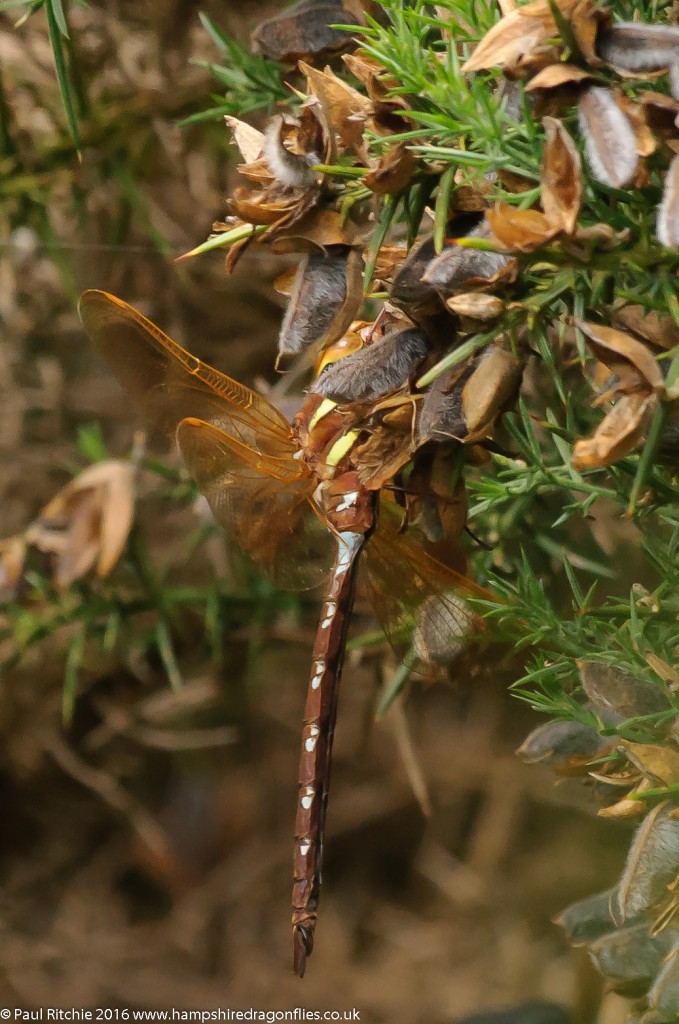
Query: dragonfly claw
[[302, 946]]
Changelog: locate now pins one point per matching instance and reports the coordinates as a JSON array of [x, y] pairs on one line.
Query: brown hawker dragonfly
[[278, 488]]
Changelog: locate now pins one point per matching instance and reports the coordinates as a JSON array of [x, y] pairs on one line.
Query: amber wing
[[274, 521], [168, 383], [415, 596]]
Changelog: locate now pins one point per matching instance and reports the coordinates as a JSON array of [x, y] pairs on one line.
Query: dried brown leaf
[[249, 140], [630, 359], [659, 329], [622, 431], [520, 230], [658, 763], [87, 522], [556, 75], [561, 177], [517, 35], [393, 172], [346, 109], [12, 555]]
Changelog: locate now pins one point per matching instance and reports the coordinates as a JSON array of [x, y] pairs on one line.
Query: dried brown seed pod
[[610, 141], [375, 370]]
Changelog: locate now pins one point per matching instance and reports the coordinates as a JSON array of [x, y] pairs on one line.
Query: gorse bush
[[483, 204]]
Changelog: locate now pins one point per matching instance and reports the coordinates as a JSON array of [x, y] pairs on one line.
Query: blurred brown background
[[145, 853]]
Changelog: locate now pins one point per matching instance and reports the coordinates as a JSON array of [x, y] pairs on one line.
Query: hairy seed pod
[[630, 957], [449, 272], [409, 285], [663, 995], [440, 417], [609, 689], [375, 370], [557, 743], [325, 296], [636, 46], [667, 225], [610, 142], [533, 1012], [306, 29], [588, 919], [291, 170], [652, 863]]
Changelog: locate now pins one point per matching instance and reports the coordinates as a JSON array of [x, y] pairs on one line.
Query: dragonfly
[[291, 496]]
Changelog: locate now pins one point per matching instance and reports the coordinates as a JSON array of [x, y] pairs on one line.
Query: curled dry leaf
[[636, 46], [476, 305], [393, 172], [636, 113], [561, 177], [379, 84], [610, 689], [610, 140], [667, 225], [632, 362], [517, 35], [622, 431], [652, 863], [325, 296], [316, 231], [554, 76], [12, 556], [376, 370], [249, 140], [587, 21], [661, 112], [520, 230], [493, 384], [588, 919], [304, 30], [87, 522], [346, 109]]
